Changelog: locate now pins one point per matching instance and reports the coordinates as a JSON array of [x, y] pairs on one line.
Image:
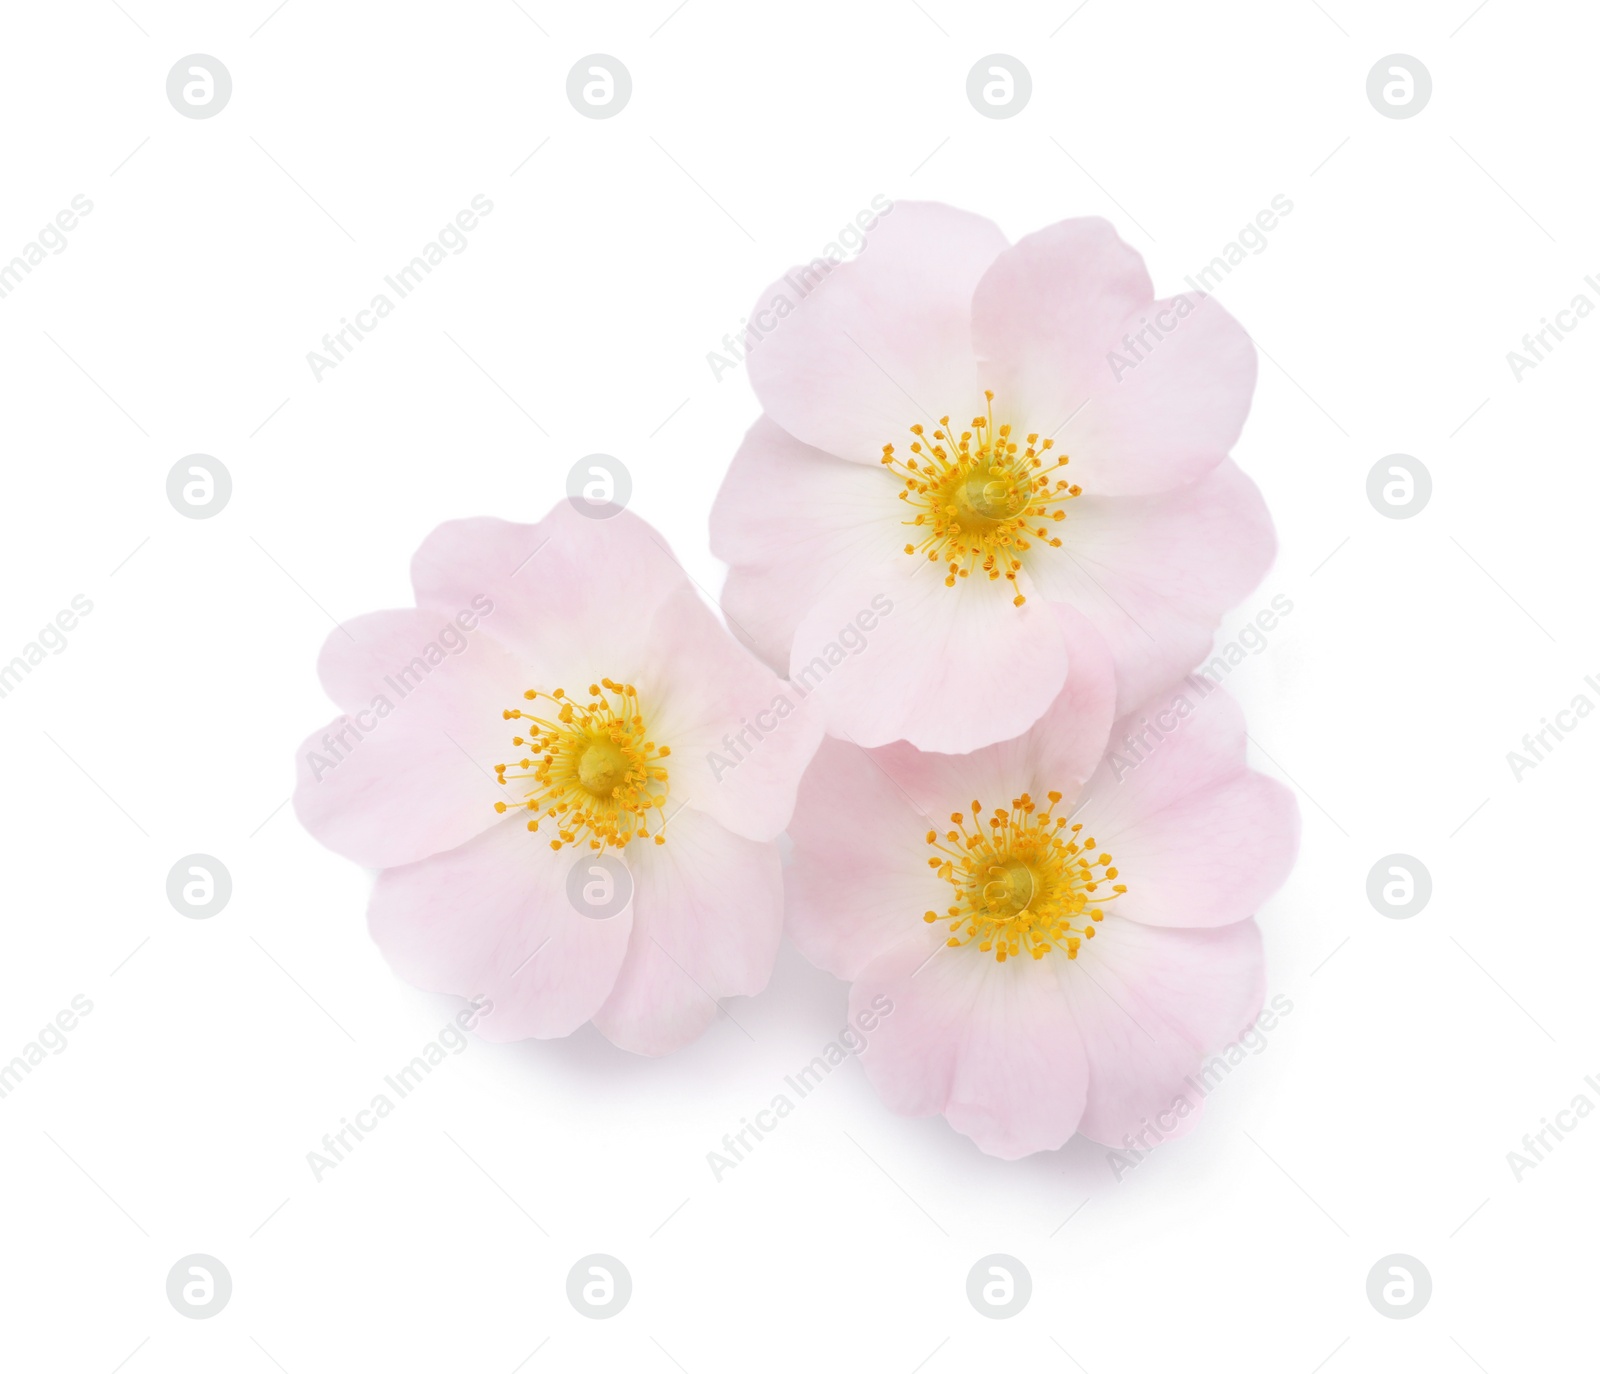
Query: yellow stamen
[[980, 502], [1024, 882], [590, 771]]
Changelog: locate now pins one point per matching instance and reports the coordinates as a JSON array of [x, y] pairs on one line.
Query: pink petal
[[1198, 838], [571, 596], [740, 736], [493, 917], [1047, 317], [1155, 573], [992, 1046], [408, 770], [1058, 753], [859, 880], [787, 518], [884, 340], [1149, 1004], [1042, 313], [948, 668], [707, 919]]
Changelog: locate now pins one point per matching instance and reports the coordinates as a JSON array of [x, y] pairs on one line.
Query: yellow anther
[[978, 502], [591, 771], [1021, 880]]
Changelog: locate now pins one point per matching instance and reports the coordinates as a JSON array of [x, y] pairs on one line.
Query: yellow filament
[[980, 499], [1025, 882], [590, 772]]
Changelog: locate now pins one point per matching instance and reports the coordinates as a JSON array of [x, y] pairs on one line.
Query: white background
[[1418, 653]]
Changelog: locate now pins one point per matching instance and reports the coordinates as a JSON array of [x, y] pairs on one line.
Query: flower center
[[1023, 881], [590, 771], [978, 500]]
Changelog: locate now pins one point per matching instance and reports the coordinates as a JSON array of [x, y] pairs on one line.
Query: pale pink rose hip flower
[[975, 431], [560, 720], [1061, 948]]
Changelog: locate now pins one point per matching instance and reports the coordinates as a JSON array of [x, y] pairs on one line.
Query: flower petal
[[787, 518], [569, 596], [493, 917], [740, 736], [881, 341], [1155, 573], [992, 1046], [1198, 838], [1058, 753], [858, 881], [948, 668], [707, 919], [1043, 312], [407, 771], [1052, 317], [1150, 1004]]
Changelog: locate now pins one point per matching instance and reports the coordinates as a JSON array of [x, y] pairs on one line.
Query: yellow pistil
[[1025, 882], [590, 771], [980, 501]]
